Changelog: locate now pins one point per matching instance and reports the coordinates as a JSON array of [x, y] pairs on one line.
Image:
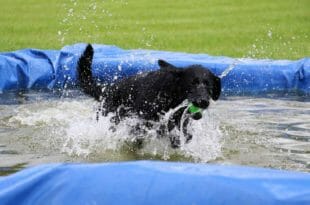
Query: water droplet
[[119, 67], [269, 34]]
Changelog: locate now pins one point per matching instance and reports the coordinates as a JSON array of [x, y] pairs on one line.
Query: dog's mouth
[[195, 111], [202, 104]]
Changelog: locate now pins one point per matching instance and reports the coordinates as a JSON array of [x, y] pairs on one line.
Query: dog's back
[[151, 93], [146, 94]]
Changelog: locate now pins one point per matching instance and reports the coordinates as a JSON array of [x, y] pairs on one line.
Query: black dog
[[151, 94]]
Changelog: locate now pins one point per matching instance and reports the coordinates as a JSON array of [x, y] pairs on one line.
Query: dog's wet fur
[[151, 94]]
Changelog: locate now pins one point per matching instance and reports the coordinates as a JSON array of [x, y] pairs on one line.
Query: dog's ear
[[165, 66], [216, 89]]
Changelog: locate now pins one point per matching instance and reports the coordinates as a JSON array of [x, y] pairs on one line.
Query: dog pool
[[261, 120], [46, 127]]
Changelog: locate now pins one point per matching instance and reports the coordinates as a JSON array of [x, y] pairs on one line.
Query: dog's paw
[[188, 138], [161, 131], [175, 141]]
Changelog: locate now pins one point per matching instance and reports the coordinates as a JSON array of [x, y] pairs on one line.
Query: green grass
[[277, 29]]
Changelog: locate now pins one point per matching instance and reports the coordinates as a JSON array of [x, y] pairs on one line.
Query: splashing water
[[264, 46], [86, 136], [258, 132], [230, 67], [88, 17], [228, 70], [97, 21], [74, 128]]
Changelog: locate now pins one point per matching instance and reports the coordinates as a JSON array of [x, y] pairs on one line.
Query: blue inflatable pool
[[48, 69], [151, 182]]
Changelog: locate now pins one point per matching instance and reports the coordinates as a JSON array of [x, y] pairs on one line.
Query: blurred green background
[[277, 29]]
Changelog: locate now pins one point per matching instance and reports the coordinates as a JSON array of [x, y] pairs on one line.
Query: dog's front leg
[[187, 136], [177, 121], [174, 139]]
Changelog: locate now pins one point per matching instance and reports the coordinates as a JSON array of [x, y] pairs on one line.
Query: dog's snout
[[201, 103]]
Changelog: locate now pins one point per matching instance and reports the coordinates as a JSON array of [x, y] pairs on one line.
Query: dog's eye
[[195, 81]]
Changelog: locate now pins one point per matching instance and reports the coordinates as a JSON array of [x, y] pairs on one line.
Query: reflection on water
[[38, 128]]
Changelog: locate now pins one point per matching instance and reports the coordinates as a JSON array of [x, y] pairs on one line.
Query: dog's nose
[[201, 103]]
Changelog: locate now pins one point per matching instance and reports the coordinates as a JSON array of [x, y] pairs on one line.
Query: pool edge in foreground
[[153, 182]]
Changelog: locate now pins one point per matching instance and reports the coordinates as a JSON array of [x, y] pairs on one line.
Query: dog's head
[[197, 84]]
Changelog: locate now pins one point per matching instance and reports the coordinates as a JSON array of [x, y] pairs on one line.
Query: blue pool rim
[[151, 182], [56, 69]]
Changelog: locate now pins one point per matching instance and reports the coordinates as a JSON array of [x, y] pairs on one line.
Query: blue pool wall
[[56, 69], [152, 182]]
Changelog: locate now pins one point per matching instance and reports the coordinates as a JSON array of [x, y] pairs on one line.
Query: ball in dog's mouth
[[195, 111]]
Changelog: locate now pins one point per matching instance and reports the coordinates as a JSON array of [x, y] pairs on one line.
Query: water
[[38, 128]]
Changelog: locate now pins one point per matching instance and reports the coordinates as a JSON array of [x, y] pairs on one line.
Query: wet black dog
[[151, 94]]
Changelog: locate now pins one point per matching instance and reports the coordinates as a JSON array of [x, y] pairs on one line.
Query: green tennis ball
[[193, 109]]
